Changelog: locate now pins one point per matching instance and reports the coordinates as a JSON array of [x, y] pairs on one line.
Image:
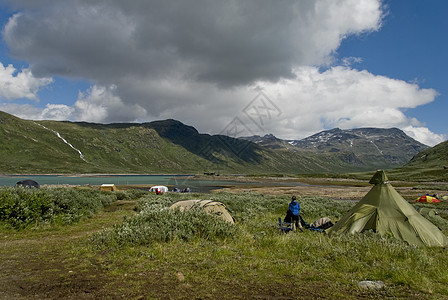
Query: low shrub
[[23, 207], [131, 194], [255, 212], [156, 223], [149, 200], [246, 206]]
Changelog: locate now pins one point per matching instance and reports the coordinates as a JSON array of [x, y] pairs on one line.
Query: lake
[[179, 181]]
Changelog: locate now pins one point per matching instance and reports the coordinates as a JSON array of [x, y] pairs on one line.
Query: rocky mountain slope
[[363, 146]]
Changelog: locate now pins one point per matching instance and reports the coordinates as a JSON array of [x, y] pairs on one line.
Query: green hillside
[[27, 147], [167, 146], [30, 148], [34, 147], [428, 165]]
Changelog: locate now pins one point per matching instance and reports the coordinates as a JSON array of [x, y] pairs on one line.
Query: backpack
[[322, 223]]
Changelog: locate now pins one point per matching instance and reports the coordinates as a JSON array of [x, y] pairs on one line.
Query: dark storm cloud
[[223, 42], [199, 61]]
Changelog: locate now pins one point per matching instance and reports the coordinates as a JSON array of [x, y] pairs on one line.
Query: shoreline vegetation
[[83, 243], [333, 187]]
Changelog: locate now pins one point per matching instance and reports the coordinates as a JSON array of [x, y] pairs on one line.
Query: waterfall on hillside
[[64, 140]]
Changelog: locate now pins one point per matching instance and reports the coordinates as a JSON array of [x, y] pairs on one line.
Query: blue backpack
[[294, 207]]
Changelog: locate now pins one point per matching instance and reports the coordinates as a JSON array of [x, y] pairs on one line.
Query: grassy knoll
[[121, 252]]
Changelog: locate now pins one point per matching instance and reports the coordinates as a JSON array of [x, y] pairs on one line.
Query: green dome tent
[[384, 211], [211, 207]]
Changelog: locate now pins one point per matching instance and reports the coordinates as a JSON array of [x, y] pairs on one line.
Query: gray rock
[[371, 285]]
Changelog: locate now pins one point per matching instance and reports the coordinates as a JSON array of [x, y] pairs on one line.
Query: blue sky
[[365, 63], [411, 45]]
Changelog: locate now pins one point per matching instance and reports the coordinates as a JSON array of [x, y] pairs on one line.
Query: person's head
[[293, 198]]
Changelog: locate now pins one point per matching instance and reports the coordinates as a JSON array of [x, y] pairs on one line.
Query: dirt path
[[44, 265]]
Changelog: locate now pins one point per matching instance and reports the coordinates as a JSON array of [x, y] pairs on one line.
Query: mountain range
[[364, 146], [169, 146]]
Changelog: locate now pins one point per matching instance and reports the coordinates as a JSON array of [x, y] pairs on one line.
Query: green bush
[[149, 200], [156, 223], [73, 204], [131, 194], [255, 212], [246, 206], [22, 207]]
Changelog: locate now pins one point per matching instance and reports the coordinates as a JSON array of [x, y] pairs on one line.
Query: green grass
[[153, 253], [439, 187], [257, 250]]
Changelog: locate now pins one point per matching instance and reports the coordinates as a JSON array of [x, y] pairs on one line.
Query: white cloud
[[200, 61], [101, 105], [23, 84], [57, 112], [345, 98], [24, 111], [98, 104], [424, 135], [349, 61], [312, 101]]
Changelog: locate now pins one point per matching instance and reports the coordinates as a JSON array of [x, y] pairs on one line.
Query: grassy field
[[129, 247]]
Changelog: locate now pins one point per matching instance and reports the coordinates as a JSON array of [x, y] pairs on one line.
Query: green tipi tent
[[384, 211]]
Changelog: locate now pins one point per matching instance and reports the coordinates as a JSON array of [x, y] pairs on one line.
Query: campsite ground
[[51, 263]]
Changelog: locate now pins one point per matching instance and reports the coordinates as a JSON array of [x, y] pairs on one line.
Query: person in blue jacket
[[293, 213]]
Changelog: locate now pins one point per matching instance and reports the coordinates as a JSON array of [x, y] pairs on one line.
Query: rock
[[371, 285], [180, 276]]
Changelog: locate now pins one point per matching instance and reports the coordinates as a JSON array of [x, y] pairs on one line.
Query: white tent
[[160, 188]]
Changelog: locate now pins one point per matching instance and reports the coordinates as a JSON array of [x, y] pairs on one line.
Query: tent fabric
[[209, 206], [427, 199], [428, 212], [379, 177], [161, 188], [385, 211], [108, 187], [28, 183], [432, 215]]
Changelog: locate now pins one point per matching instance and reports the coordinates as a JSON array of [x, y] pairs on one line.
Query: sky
[[239, 68]]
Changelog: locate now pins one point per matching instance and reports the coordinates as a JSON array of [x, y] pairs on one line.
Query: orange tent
[[427, 199]]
